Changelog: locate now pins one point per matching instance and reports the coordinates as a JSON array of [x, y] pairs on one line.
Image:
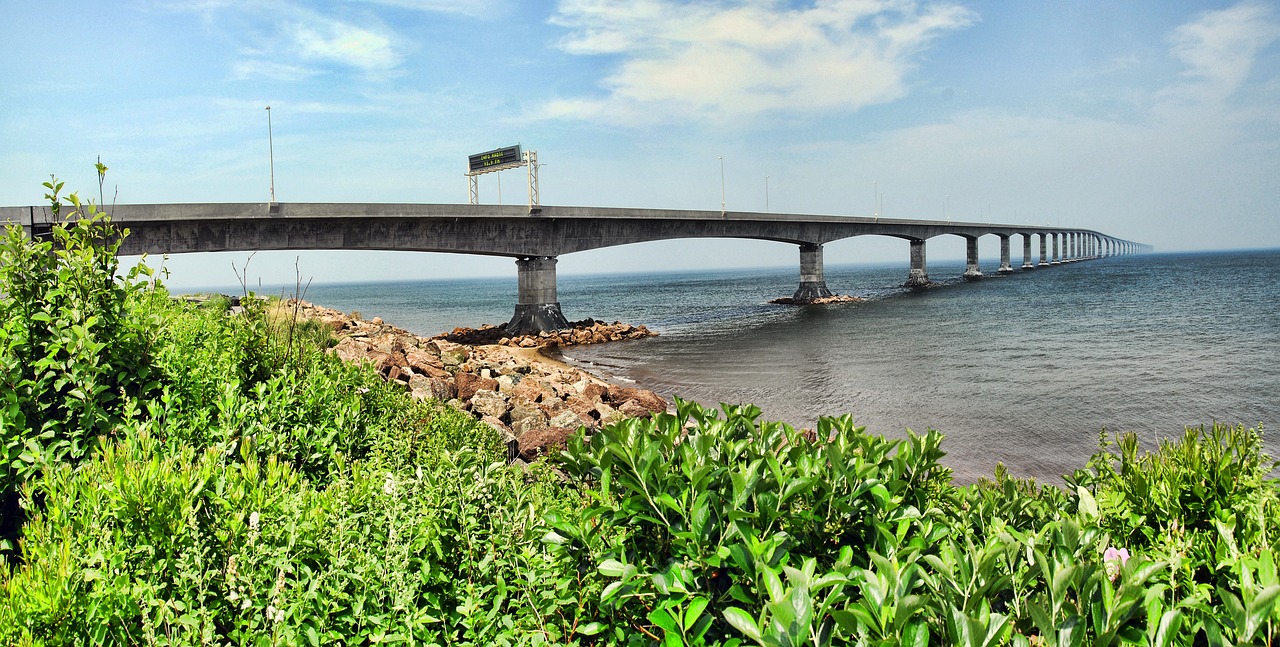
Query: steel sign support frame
[[528, 158]]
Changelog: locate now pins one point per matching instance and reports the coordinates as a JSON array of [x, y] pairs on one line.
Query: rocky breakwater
[[535, 402]]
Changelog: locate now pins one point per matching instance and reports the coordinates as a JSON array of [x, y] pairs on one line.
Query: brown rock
[[595, 392], [633, 409], [350, 350], [650, 401], [335, 323], [467, 384], [532, 389], [544, 442], [424, 362]]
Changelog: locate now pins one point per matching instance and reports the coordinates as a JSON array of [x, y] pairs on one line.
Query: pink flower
[[1113, 559]]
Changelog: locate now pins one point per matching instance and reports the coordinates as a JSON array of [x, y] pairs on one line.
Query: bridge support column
[[917, 277], [1056, 258], [1026, 252], [1044, 250], [1005, 268], [812, 284], [537, 308], [971, 270]]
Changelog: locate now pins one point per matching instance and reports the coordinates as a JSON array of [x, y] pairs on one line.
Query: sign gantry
[[501, 159]]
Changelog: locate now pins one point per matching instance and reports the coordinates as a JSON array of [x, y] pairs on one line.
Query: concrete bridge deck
[[535, 238]]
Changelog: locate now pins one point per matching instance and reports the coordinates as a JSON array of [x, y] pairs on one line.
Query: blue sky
[[1156, 121]]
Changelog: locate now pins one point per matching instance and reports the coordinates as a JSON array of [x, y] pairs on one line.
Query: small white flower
[[253, 520], [389, 485]]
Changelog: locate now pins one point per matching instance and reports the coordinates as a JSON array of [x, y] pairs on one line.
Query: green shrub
[[72, 352]]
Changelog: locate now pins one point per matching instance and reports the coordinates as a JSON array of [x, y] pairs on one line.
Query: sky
[[1156, 121]]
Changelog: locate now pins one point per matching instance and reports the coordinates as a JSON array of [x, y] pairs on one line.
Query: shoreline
[[535, 401]]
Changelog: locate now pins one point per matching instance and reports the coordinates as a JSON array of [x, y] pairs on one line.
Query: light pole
[[271, 156], [875, 199], [766, 194], [722, 210]]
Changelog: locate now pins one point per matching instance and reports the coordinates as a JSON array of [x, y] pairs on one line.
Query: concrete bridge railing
[[537, 238]]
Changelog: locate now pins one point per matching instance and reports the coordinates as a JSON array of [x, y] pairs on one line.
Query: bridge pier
[[1057, 260], [537, 308], [1044, 250], [971, 270], [1005, 267], [1026, 252], [917, 277], [812, 283]]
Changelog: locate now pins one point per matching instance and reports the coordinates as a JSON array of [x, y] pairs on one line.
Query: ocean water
[[1024, 369]]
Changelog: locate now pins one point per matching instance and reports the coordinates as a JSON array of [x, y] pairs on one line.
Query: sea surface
[[1024, 369]]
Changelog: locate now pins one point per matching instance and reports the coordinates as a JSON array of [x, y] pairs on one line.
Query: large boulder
[[350, 350], [432, 387], [648, 400], [467, 384], [539, 443], [489, 403]]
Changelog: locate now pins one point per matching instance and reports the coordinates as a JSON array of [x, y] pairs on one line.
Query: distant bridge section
[[537, 237]]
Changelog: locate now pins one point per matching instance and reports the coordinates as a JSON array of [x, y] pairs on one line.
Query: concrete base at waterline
[[917, 279], [535, 318], [810, 291]]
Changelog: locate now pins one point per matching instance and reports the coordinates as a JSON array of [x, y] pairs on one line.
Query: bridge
[[536, 237]]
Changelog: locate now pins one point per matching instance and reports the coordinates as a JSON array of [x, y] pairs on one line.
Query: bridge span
[[537, 237]]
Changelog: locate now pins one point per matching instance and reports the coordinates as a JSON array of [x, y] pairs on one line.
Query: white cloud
[[251, 68], [1219, 48], [703, 61], [475, 8], [346, 44]]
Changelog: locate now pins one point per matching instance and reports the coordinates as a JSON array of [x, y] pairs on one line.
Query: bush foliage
[[186, 474]]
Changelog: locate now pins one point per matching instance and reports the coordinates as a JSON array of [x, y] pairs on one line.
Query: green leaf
[[611, 567], [1088, 505], [662, 618], [591, 628], [743, 622], [696, 607]]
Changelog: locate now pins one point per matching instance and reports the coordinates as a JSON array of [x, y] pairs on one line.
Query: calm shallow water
[[1023, 369]]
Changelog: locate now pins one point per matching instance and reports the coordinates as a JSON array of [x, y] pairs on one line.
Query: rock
[[532, 389], [350, 350], [530, 422], [595, 392], [467, 384], [424, 363], [566, 418], [454, 354], [489, 403], [633, 409], [651, 402], [334, 323], [544, 442], [507, 383], [607, 415]]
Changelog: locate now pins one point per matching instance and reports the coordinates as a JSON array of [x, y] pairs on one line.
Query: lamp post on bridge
[[271, 156], [722, 210], [766, 194]]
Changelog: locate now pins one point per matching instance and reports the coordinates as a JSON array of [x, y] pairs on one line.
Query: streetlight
[[875, 199], [766, 194], [271, 153], [721, 158]]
